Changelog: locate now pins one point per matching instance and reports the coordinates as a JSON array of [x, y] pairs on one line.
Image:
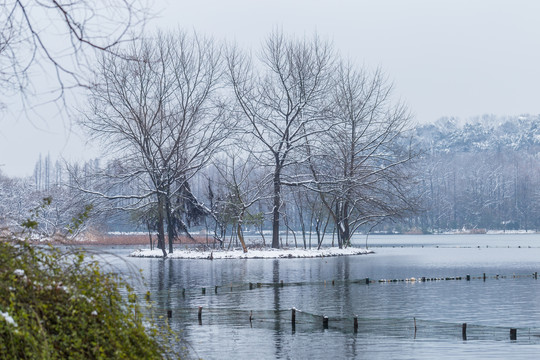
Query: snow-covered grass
[[266, 253]]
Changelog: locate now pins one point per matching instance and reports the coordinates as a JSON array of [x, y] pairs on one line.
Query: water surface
[[335, 287]]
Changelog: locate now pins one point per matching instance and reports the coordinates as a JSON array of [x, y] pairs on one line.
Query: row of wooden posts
[[513, 332], [368, 281], [325, 321], [199, 315]]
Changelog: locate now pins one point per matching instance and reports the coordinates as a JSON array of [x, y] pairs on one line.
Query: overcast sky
[[446, 58]]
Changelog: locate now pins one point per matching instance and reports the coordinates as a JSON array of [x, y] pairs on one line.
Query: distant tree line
[[479, 174], [51, 197]]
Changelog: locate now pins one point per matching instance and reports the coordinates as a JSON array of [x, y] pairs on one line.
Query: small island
[[260, 253]]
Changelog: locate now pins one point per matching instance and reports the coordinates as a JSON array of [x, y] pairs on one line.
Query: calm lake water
[[386, 312]]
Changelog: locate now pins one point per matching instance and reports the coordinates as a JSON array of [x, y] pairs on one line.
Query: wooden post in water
[[250, 286], [355, 326], [281, 283], [250, 318], [333, 283], [293, 319], [468, 277], [199, 315], [169, 314], [484, 276], [215, 289], [325, 322], [415, 328], [203, 291], [183, 292], [367, 281], [535, 275], [513, 334], [464, 331]]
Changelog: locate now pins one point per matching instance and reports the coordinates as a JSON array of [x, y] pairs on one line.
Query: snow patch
[[19, 272], [8, 318], [252, 254]]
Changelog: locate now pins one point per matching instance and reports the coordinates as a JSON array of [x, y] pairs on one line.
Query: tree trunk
[[275, 210], [160, 225], [318, 229], [171, 233], [241, 237], [346, 225], [149, 234], [303, 231], [239, 231], [261, 231], [343, 225], [324, 230], [339, 224]]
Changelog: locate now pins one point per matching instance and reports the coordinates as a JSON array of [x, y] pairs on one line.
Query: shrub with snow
[[59, 305]]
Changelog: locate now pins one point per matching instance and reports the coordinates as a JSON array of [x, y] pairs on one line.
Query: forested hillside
[[484, 173]]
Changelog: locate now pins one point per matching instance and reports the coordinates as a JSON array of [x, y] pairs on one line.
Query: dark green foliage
[[65, 307]]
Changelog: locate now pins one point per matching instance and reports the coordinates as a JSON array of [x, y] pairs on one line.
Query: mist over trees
[[292, 141], [480, 174]]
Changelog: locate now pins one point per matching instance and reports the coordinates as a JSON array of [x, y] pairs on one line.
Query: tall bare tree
[[157, 106], [359, 164], [281, 99]]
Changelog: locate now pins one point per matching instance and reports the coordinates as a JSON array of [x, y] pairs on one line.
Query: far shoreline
[[139, 239]]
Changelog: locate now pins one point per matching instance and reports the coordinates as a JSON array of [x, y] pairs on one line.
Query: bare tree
[[59, 38], [244, 185], [14, 201], [281, 99], [160, 112], [55, 211], [359, 164]]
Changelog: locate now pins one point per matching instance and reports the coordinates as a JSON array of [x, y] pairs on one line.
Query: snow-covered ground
[[512, 232], [252, 253]]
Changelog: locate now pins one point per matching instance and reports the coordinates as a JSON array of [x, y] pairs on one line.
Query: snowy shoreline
[[252, 253]]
